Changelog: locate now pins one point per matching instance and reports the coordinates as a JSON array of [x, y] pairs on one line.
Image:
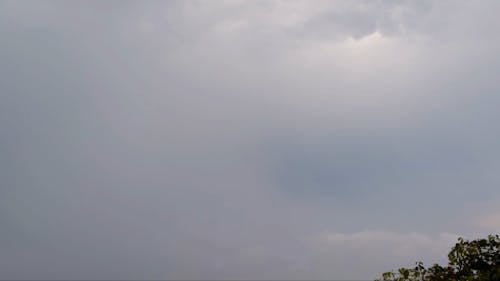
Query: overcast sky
[[245, 139]]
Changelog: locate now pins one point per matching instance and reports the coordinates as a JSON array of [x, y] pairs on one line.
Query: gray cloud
[[243, 140]]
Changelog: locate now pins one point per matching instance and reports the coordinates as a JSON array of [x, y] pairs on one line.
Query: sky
[[249, 140]]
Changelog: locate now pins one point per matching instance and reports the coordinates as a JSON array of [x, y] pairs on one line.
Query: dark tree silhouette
[[476, 260]]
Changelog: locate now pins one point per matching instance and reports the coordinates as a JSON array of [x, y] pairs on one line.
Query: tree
[[476, 260]]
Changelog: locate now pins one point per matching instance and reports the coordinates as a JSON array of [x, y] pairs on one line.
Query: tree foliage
[[476, 260]]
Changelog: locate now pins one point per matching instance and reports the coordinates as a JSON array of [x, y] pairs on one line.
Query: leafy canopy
[[476, 260]]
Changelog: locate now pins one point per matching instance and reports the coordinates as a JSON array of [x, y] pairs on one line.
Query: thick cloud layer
[[244, 139]]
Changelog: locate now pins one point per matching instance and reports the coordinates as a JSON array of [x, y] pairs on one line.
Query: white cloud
[[334, 252], [490, 222]]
